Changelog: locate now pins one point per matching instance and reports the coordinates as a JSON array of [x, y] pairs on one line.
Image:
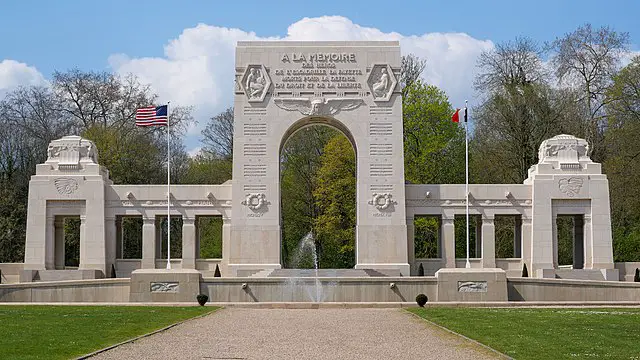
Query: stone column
[[111, 234], [411, 246], [526, 243], [84, 250], [226, 243], [488, 242], [149, 243], [554, 239], [449, 242], [588, 242], [517, 238], [59, 243], [50, 244], [188, 243]]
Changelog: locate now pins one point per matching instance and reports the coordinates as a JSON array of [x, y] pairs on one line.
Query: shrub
[[525, 273], [217, 272], [202, 299], [421, 299], [636, 278], [420, 270]]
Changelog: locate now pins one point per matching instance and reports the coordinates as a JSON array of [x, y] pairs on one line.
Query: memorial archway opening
[[318, 195]]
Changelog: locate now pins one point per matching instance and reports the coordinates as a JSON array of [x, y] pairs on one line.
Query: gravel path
[[237, 333]]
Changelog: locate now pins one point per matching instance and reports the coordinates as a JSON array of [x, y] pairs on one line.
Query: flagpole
[[168, 191], [466, 172]]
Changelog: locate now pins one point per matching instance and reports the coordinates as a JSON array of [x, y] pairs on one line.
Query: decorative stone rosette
[[382, 201], [255, 201]]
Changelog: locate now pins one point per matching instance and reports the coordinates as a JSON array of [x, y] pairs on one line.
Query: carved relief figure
[[255, 83], [380, 86]]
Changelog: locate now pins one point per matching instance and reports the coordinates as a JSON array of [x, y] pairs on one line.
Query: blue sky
[[156, 38]]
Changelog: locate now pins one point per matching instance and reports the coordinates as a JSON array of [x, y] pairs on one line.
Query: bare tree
[[411, 68], [218, 135], [513, 63], [587, 59], [520, 111]]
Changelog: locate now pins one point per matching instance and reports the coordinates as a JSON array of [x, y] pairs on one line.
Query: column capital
[[188, 220], [447, 220], [526, 220], [148, 220], [587, 217], [488, 218]]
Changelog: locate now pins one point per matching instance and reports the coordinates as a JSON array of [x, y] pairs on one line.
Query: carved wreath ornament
[[255, 201], [382, 201]]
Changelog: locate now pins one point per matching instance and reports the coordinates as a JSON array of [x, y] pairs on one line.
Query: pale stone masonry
[[282, 87]]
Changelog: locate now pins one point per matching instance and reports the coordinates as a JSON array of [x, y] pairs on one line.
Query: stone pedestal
[[160, 285], [472, 285]]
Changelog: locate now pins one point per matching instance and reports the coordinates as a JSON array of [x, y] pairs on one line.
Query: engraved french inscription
[[255, 170], [381, 149], [376, 170], [381, 129]]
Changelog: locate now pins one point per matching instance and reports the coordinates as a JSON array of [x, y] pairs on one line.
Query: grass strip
[[544, 333], [63, 332]]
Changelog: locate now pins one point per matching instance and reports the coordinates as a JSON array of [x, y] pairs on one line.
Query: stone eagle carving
[[318, 106], [570, 186], [66, 185]]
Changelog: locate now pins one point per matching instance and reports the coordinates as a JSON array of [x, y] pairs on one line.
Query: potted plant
[[202, 299]]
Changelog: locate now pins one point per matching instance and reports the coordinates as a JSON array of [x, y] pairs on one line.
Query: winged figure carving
[[66, 185], [318, 106], [570, 186]]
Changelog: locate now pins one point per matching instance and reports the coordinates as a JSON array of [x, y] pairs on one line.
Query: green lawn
[[569, 333], [63, 332]]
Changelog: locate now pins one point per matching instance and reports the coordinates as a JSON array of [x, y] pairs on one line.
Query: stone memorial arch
[[282, 87]]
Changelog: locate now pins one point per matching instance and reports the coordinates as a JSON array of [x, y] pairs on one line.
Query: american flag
[[152, 115]]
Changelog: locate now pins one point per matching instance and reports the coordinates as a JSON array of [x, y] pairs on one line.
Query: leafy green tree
[[622, 164], [300, 159], [335, 198], [206, 168], [433, 144]]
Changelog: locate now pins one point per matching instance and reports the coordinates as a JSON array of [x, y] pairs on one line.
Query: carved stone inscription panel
[[319, 71]]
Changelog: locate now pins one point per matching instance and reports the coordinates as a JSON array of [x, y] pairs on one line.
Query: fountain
[[306, 251]]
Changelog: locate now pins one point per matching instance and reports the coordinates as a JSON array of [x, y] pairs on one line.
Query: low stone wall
[[387, 289], [10, 272], [627, 270], [102, 290], [531, 289]]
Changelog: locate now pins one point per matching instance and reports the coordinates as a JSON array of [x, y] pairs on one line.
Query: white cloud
[[198, 66], [14, 74]]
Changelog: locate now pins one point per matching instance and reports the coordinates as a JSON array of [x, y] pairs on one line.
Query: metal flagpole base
[[468, 265]]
